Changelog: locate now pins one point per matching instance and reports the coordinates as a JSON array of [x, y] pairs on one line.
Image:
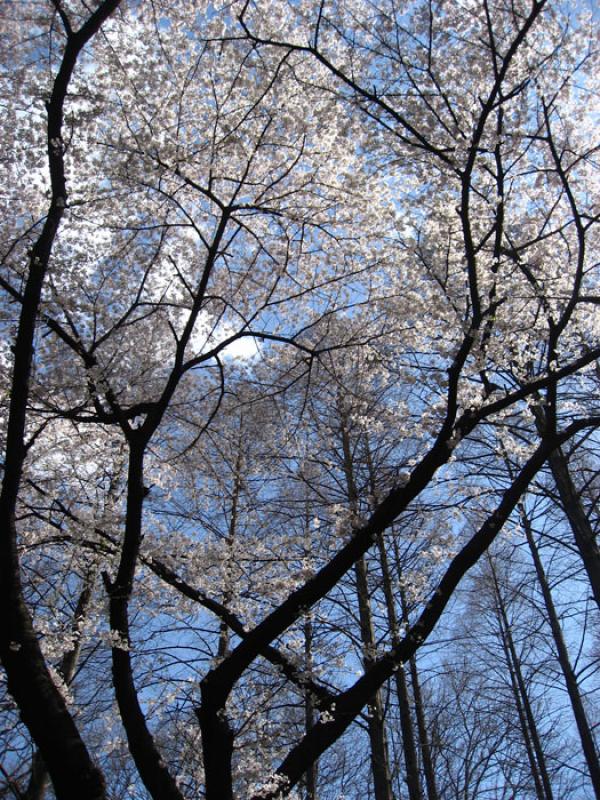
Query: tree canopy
[[300, 339]]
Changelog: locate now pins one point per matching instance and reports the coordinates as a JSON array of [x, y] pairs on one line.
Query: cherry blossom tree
[[217, 219]]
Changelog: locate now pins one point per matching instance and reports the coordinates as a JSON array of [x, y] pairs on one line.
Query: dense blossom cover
[[299, 402]]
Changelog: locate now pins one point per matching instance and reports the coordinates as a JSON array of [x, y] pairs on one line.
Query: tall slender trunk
[[406, 724], [422, 728], [217, 734], [310, 715], [585, 732], [411, 762], [585, 540], [539, 789], [311, 775], [578, 520], [419, 705], [531, 736], [375, 717], [225, 631]]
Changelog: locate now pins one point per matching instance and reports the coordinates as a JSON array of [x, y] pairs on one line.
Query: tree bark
[[430, 781], [375, 718], [409, 750]]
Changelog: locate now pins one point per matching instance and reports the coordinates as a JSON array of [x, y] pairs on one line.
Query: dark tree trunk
[[380, 770], [151, 767], [583, 726], [217, 742], [583, 533], [375, 717], [38, 779], [411, 762], [420, 714], [578, 520], [529, 728], [422, 727], [42, 707], [406, 724], [311, 775]]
